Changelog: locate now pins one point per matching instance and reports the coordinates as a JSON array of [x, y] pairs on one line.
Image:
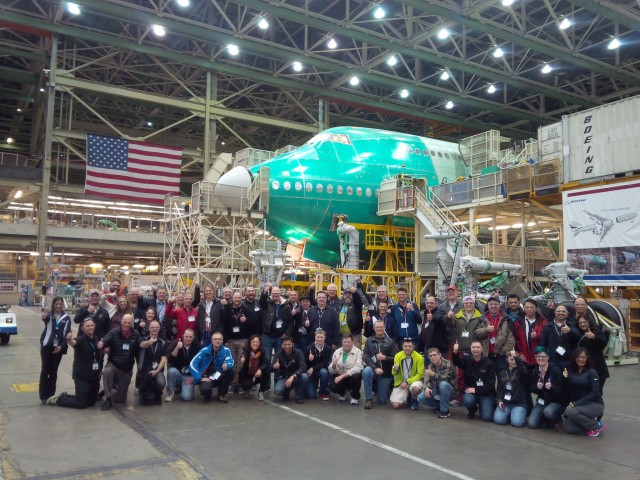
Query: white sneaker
[[260, 396], [169, 397], [355, 401], [342, 399]]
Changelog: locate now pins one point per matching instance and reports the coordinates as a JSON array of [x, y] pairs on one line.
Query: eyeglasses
[[217, 339], [542, 356], [433, 354]]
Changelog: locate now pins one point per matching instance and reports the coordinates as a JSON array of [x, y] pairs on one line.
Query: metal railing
[[481, 189]]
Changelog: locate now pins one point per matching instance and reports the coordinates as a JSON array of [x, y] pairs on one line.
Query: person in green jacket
[[408, 369]]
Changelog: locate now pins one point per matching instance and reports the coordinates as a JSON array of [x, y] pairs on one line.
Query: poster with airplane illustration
[[602, 233]]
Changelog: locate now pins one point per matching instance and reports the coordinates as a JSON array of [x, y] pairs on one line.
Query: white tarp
[[602, 233]]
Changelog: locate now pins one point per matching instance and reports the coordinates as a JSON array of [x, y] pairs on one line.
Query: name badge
[[302, 330], [95, 366], [279, 324], [192, 318], [508, 386], [55, 341], [507, 396], [465, 334], [561, 350], [479, 383], [215, 376], [236, 329], [492, 340], [540, 401], [404, 325], [256, 309], [154, 365], [374, 358], [125, 346], [185, 370]]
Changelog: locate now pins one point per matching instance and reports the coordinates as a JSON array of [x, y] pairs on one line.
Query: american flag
[[133, 171]]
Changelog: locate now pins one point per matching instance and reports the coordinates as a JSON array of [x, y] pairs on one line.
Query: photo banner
[[602, 233]]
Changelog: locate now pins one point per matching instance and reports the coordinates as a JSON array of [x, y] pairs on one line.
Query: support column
[[321, 123], [523, 236], [46, 161], [473, 239], [210, 127]]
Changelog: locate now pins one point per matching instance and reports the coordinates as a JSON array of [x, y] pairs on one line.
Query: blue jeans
[[471, 402], [518, 413], [368, 377], [541, 413], [311, 388], [439, 398], [298, 385], [174, 377], [272, 345]]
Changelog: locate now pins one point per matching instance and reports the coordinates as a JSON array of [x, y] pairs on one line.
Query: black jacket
[[85, 354], [583, 388], [321, 359], [327, 320], [552, 339], [100, 317], [263, 363], [215, 317], [275, 321], [292, 364], [483, 371], [435, 333], [387, 346], [232, 327], [182, 360], [513, 383], [552, 395], [123, 352]]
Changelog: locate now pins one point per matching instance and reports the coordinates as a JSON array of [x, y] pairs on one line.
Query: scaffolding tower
[[208, 239]]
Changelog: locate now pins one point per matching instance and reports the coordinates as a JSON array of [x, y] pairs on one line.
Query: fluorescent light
[[516, 225], [498, 52], [183, 3], [546, 68], [502, 227], [449, 105], [483, 220], [263, 24], [96, 265], [444, 75], [354, 81], [404, 93], [149, 123], [507, 3], [392, 61], [159, 30], [379, 13], [297, 66], [491, 89], [531, 224], [564, 24], [18, 194], [332, 44], [18, 109], [443, 33], [73, 8], [10, 140], [613, 44], [461, 222], [233, 49], [137, 266]]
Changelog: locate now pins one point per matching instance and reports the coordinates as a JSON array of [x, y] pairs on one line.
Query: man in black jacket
[[290, 364], [326, 318], [434, 328], [87, 366], [318, 357], [179, 357], [479, 381], [378, 354], [100, 317], [124, 345]]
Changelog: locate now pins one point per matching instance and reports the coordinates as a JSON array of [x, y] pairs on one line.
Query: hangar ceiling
[[115, 75]]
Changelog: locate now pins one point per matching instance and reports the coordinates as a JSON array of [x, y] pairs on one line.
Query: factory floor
[[268, 440]]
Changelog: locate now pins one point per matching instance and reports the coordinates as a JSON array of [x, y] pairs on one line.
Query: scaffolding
[[208, 238], [482, 152]]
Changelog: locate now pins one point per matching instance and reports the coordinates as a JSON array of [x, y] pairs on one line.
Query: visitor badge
[[185, 370], [302, 330], [561, 350], [236, 329], [215, 376], [540, 401], [279, 324], [507, 396], [508, 386], [55, 341], [192, 318], [125, 346], [256, 309], [95, 365], [465, 334], [404, 325], [374, 358], [492, 340], [479, 383], [154, 365]]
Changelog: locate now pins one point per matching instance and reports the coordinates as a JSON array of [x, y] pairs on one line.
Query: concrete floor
[[268, 440]]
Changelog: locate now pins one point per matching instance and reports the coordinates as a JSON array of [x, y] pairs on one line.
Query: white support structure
[[270, 264], [349, 249]]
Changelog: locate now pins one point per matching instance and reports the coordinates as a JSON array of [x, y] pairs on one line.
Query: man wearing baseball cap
[[94, 311]]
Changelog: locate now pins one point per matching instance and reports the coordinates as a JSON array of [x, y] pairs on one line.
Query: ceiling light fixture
[[73, 8], [444, 75], [233, 49], [491, 88], [297, 66], [449, 105], [392, 61], [10, 140], [546, 68], [332, 44], [263, 24], [498, 52], [183, 3], [404, 93], [564, 24], [613, 44], [354, 81], [443, 33], [507, 3], [159, 30], [379, 13]]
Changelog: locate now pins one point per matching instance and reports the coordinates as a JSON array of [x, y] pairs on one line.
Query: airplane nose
[[232, 187]]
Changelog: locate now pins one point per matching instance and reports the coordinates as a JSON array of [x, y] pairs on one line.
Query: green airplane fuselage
[[338, 172]]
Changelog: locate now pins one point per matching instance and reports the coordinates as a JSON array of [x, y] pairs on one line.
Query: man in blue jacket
[[407, 317], [212, 367]]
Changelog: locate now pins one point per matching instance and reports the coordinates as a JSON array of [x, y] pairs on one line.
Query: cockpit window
[[318, 138], [339, 138]]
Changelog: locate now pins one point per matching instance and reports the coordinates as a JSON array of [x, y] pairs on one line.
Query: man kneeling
[[408, 368]]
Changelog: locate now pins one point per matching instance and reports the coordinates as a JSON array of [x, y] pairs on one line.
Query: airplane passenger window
[[298, 186], [446, 155], [359, 191], [339, 189], [410, 150], [349, 190], [308, 187], [319, 188], [440, 154], [425, 152], [433, 153], [418, 152], [329, 188], [368, 192]]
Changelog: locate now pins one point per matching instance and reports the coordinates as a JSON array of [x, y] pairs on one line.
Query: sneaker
[[471, 415], [446, 414], [355, 401], [299, 401], [602, 426], [106, 405], [414, 405], [454, 403], [342, 399], [593, 433], [53, 400], [169, 397], [260, 396], [325, 397], [222, 399], [368, 404]]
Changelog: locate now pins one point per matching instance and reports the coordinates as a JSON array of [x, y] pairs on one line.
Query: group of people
[[489, 358]]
